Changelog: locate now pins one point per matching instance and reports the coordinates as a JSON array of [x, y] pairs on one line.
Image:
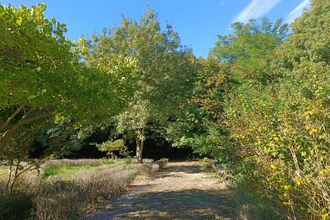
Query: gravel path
[[183, 190]]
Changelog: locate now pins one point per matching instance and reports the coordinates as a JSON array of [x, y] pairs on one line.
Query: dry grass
[[66, 195], [60, 198], [76, 162]]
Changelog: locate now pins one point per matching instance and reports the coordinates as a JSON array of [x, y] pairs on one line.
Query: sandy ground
[[183, 190]]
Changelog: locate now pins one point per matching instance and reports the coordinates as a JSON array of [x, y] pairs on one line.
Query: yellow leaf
[[313, 131], [309, 112], [287, 187], [298, 182], [19, 21]]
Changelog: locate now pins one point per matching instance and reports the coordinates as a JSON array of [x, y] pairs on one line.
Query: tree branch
[[10, 132], [18, 110]]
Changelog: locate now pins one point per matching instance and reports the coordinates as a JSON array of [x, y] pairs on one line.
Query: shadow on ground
[[181, 191], [186, 204]]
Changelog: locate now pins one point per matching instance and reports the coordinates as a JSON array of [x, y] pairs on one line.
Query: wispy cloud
[[295, 13], [256, 9]]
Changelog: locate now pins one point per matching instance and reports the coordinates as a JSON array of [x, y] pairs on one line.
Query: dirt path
[[180, 191]]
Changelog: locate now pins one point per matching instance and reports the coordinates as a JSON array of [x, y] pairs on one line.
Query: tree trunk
[[139, 145], [138, 152]]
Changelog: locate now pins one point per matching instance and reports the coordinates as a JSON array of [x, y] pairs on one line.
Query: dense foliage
[[162, 76], [268, 112], [261, 108], [45, 89]]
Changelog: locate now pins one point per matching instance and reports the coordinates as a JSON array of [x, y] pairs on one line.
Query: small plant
[[113, 146], [207, 162]]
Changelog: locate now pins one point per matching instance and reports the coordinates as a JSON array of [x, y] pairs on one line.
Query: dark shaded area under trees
[[156, 147]]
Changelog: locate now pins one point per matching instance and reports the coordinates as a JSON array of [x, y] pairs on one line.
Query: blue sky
[[197, 21]]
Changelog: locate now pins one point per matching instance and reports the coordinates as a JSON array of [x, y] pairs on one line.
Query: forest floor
[[183, 190]]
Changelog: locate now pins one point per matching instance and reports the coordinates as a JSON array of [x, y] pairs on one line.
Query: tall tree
[[163, 76], [42, 79]]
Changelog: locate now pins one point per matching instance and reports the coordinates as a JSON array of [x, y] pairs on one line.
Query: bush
[[113, 146]]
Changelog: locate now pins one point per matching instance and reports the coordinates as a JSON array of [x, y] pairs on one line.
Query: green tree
[[42, 79], [197, 124], [162, 77], [248, 50]]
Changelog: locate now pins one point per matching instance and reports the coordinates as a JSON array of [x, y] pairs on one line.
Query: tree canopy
[[43, 80], [163, 73]]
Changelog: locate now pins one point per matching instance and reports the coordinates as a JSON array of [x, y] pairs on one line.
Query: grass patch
[[65, 170], [66, 167], [75, 162]]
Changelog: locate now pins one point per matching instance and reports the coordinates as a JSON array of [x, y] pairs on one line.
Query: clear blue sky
[[197, 21]]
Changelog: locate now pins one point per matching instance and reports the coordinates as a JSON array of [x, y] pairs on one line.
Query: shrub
[[110, 147]]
